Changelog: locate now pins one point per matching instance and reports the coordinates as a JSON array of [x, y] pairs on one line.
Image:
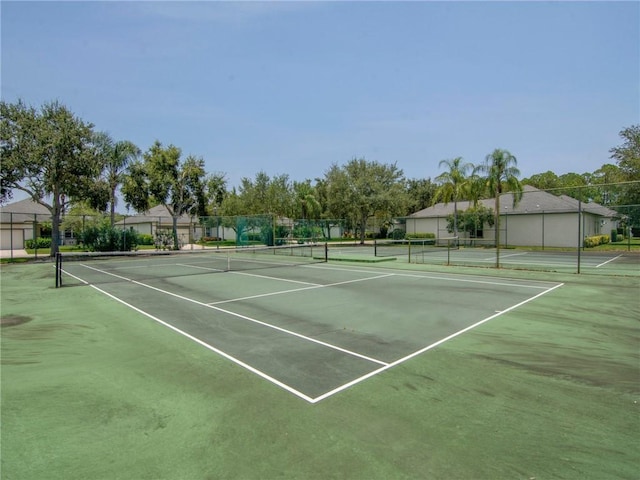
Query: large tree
[[543, 181], [502, 174], [362, 189], [216, 186], [266, 195], [453, 185], [627, 157], [161, 178], [420, 194], [49, 154]]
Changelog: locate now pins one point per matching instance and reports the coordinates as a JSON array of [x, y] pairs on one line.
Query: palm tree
[[116, 157], [453, 184], [307, 205], [502, 175]]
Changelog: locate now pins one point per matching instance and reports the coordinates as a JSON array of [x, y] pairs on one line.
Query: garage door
[[6, 240]]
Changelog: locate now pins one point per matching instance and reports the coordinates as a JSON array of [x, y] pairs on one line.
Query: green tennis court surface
[[92, 388], [313, 330]]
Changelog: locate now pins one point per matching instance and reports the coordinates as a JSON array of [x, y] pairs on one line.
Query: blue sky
[[292, 87]]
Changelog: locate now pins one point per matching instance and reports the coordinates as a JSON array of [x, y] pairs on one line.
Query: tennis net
[[411, 247], [103, 267]]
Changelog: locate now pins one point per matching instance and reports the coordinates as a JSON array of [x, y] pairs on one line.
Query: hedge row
[[40, 242], [419, 236], [596, 240]]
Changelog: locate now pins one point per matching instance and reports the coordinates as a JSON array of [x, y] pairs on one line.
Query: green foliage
[[262, 195], [472, 220], [145, 239], [420, 193], [105, 238], [397, 234], [594, 241], [163, 179], [40, 242], [453, 185], [81, 216], [307, 230], [420, 236], [49, 154], [501, 176], [165, 240], [362, 189], [115, 158], [627, 155]]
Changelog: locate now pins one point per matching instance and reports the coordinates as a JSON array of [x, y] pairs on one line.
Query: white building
[[539, 219]]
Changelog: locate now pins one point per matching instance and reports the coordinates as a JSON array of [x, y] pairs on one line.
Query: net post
[[58, 270], [326, 251]]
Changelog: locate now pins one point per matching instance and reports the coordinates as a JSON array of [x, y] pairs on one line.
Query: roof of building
[[23, 211], [533, 201], [155, 214]]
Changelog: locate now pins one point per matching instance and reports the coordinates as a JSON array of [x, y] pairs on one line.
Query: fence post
[[11, 233], [579, 230], [35, 234]]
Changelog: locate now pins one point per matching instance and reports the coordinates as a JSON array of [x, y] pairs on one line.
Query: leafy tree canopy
[[161, 178], [49, 154], [362, 189]]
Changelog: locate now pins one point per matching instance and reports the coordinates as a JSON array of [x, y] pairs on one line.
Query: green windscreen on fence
[[103, 267]]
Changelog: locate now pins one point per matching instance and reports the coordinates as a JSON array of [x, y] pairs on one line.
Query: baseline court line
[[429, 347], [403, 273], [244, 317]]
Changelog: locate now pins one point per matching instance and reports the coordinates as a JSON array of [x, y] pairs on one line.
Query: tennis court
[[309, 327], [599, 262]]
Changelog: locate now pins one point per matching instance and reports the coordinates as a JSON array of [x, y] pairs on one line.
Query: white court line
[[244, 317], [210, 347], [216, 270], [198, 267], [610, 260], [503, 256], [403, 273], [313, 287], [429, 347], [385, 366]]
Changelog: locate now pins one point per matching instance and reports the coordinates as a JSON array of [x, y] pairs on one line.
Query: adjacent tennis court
[[309, 327], [446, 252]]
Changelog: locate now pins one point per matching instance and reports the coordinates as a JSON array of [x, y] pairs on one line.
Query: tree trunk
[[175, 232], [112, 209]]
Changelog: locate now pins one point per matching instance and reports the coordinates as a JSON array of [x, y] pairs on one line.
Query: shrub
[[145, 239], [419, 236], [397, 234], [40, 242], [164, 240], [614, 235], [104, 238], [594, 241]]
